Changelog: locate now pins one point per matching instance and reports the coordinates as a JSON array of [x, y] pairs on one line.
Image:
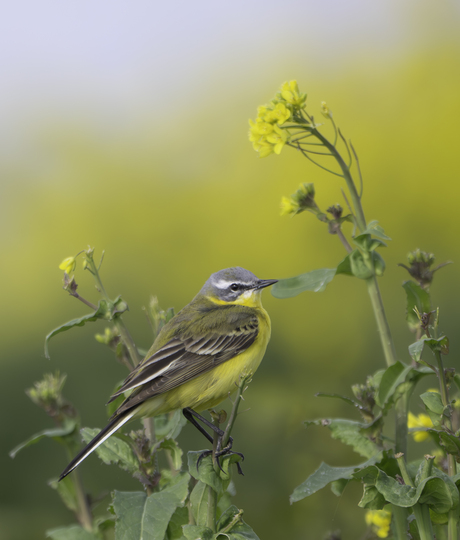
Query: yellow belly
[[209, 389]]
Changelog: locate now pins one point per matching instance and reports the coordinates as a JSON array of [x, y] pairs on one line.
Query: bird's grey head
[[229, 284]]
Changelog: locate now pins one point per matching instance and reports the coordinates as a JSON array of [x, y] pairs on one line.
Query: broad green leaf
[[315, 281], [177, 521], [375, 229], [326, 474], [67, 492], [372, 499], [417, 297], [434, 491], [338, 486], [74, 532], [178, 486], [344, 266], [113, 450], [199, 503], [170, 445], [100, 313], [197, 532], [435, 344], [205, 472], [55, 433], [142, 517], [239, 531], [351, 433], [416, 349], [433, 402]]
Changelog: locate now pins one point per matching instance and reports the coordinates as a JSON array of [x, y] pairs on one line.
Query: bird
[[197, 358]]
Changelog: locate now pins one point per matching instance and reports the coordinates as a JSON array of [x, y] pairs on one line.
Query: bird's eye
[[234, 287]]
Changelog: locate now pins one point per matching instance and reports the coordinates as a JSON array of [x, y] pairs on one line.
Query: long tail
[[104, 434]]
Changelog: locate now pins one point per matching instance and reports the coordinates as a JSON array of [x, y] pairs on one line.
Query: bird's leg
[[190, 415]]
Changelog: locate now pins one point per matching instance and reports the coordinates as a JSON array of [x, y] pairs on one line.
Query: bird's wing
[[186, 356]]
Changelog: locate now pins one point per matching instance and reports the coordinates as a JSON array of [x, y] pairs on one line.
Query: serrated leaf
[[205, 472], [170, 445], [67, 492], [55, 433], [314, 281], [142, 517], [326, 474], [113, 450], [350, 433], [74, 532], [433, 402], [100, 313], [417, 297], [197, 532]]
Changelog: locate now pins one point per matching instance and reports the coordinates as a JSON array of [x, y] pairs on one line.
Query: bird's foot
[[227, 451]]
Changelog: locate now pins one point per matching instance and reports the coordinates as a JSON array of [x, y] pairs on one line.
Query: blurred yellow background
[[124, 126]]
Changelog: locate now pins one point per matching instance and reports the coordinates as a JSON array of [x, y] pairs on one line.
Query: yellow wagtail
[[197, 357]]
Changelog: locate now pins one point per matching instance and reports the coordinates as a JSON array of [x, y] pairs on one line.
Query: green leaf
[[448, 441], [372, 499], [56, 434], [169, 425], [338, 486], [67, 492], [326, 474], [315, 281], [239, 531], [113, 450], [376, 230], [170, 445], [205, 472], [143, 518], [197, 532], [100, 313], [391, 379], [417, 297], [434, 491], [178, 486], [74, 532], [440, 345], [351, 433], [177, 521], [344, 267], [199, 503], [433, 402]]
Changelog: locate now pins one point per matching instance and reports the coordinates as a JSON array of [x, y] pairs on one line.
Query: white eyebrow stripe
[[224, 284]]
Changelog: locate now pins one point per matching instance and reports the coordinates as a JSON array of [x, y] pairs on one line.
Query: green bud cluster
[[47, 394]]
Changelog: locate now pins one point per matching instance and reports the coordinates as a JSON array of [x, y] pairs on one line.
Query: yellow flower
[[68, 265], [420, 421], [278, 115], [379, 521], [290, 92], [288, 206], [264, 149], [278, 138]]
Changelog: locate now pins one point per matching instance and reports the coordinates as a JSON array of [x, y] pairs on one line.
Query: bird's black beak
[[265, 283]]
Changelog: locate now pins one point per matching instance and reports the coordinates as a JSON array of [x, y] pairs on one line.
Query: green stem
[[452, 467], [212, 495], [244, 380]]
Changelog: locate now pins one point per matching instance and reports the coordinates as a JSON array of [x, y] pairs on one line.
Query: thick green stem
[[212, 495]]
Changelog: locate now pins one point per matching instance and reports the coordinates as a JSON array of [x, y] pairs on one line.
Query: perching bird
[[198, 355]]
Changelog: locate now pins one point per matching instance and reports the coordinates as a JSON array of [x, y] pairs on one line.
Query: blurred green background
[[124, 126]]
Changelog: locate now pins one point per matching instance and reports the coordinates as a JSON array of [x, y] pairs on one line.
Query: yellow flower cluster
[[379, 521], [265, 133], [420, 421]]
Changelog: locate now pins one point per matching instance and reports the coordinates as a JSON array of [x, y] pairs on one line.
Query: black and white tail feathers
[[104, 434]]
